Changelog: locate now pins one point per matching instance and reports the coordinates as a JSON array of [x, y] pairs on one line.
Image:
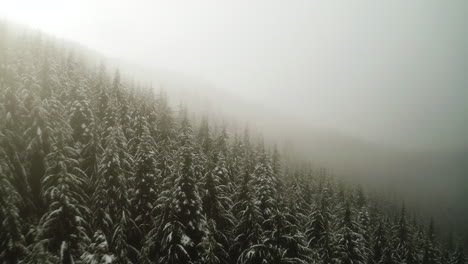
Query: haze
[[390, 72], [388, 79]]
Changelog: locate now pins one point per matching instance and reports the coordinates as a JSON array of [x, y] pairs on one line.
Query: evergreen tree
[[380, 242], [98, 251], [364, 222], [265, 183], [144, 184], [63, 224], [81, 119], [459, 256], [182, 233], [38, 148], [110, 202], [404, 245], [215, 202], [213, 250], [318, 232], [248, 231], [431, 252], [351, 249], [204, 138], [12, 242]]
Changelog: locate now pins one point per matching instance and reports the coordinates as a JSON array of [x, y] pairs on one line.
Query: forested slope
[[96, 170]]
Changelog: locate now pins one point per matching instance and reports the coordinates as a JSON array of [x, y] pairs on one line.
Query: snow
[[185, 240], [107, 259]]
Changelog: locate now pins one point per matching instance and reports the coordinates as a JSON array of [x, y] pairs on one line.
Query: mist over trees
[[95, 169]]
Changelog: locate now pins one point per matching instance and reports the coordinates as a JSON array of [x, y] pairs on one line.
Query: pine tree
[[182, 233], [431, 252], [12, 242], [364, 222], [110, 202], [144, 184], [265, 183], [98, 251], [81, 119], [222, 143], [459, 256], [13, 143], [38, 254], [109, 123], [404, 245], [103, 103], [318, 232], [117, 86], [213, 251], [215, 202], [388, 256], [204, 138], [164, 122], [351, 249], [380, 242], [63, 224], [38, 148], [360, 197], [284, 242], [248, 231], [90, 159]]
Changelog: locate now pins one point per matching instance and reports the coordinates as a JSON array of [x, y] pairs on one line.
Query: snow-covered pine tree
[[108, 124], [215, 200], [98, 251], [102, 103], [204, 138], [431, 252], [405, 251], [319, 233], [212, 247], [380, 241], [39, 136], [164, 122], [110, 201], [364, 224], [235, 161], [248, 231], [217, 204], [117, 87], [63, 225], [284, 243], [81, 118], [221, 144], [350, 247], [182, 232], [12, 242], [265, 183], [125, 110], [90, 159], [12, 142], [144, 184]]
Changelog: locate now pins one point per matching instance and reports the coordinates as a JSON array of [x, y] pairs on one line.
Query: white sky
[[392, 71]]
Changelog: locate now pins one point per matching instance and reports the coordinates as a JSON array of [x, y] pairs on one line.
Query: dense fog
[[373, 91]]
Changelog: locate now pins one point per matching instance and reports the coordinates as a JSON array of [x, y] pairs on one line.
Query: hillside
[[430, 178], [98, 169]]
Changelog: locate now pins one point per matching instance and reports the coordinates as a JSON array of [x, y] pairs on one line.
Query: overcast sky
[[392, 72]]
